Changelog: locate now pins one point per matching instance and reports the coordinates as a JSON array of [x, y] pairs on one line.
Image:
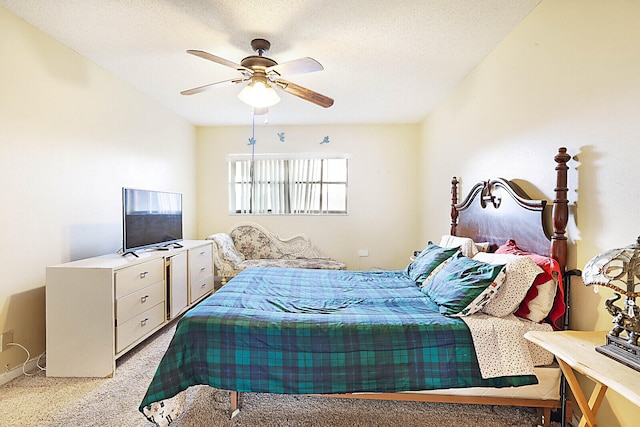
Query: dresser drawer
[[139, 276], [139, 301], [201, 288], [127, 333], [200, 263]]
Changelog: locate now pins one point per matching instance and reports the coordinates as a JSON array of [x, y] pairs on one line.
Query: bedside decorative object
[[619, 269]]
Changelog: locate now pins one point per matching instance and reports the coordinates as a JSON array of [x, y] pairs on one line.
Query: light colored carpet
[[41, 401]]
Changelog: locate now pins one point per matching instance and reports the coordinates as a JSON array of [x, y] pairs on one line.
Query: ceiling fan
[[262, 73]]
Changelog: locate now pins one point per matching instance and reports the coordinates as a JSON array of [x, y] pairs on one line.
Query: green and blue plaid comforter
[[287, 330]]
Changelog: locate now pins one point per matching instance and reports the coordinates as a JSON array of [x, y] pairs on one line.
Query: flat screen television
[[150, 219]]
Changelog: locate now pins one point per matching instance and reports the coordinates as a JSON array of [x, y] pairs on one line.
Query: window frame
[[285, 206]]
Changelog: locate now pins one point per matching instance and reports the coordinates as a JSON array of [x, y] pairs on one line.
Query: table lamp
[[619, 269]]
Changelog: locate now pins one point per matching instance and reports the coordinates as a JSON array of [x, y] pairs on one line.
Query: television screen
[[150, 218]]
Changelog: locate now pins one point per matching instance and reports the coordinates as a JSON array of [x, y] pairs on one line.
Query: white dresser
[[100, 308]]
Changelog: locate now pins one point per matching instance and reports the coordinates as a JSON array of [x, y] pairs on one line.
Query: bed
[[421, 333]]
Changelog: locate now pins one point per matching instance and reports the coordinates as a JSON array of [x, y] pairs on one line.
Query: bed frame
[[495, 211], [487, 216]]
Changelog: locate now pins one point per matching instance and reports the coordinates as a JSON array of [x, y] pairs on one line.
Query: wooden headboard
[[497, 210]]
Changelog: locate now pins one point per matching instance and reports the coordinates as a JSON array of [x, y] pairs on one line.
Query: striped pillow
[[464, 286], [430, 258]]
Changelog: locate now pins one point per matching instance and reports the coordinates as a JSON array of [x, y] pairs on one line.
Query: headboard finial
[[560, 208], [454, 201]]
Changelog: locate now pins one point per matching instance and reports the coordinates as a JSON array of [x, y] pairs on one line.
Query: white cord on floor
[[42, 368], [28, 358]]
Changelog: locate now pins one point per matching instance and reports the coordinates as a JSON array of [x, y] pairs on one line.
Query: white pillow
[[541, 305], [467, 245], [483, 246], [521, 273]]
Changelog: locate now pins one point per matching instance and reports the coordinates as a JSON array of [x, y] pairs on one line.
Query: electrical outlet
[[5, 339], [363, 252]]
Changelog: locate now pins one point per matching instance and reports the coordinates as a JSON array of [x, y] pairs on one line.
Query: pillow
[[483, 246], [467, 246], [521, 273], [539, 300], [435, 271], [464, 285], [229, 251], [552, 268], [427, 261]]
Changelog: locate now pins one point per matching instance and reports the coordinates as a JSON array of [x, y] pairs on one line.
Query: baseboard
[[17, 371]]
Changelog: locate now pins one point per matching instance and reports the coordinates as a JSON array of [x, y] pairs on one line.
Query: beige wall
[[383, 191], [71, 135], [568, 75]]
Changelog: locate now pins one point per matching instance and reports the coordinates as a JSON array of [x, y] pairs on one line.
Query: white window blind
[[288, 184]]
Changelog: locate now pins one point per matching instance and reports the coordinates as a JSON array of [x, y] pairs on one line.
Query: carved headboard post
[[560, 209], [454, 202]]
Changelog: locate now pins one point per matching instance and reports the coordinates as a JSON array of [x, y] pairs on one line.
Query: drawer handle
[[203, 285], [202, 253], [143, 322], [143, 299], [203, 269], [143, 274]]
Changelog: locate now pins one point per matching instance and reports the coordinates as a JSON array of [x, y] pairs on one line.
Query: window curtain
[[305, 179], [277, 184], [270, 186]]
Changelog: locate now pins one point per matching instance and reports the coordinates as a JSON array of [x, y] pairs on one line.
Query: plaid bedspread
[[286, 330]]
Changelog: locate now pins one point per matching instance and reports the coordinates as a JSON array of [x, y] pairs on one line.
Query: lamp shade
[[607, 266], [259, 94], [614, 268]]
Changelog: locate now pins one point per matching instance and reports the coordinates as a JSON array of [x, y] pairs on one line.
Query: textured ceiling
[[384, 61]]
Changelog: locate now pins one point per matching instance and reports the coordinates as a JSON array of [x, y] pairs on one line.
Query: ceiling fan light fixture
[[259, 94], [263, 74]]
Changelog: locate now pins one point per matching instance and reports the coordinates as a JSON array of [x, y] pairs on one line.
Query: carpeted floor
[[41, 401]]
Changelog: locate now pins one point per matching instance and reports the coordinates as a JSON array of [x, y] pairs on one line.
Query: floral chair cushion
[[227, 248], [254, 244]]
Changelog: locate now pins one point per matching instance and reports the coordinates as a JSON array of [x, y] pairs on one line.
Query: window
[[288, 184]]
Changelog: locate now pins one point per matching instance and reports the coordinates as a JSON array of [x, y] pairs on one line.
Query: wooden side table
[[575, 352]]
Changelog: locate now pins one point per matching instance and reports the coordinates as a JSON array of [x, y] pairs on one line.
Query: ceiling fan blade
[[209, 86], [304, 93], [297, 66], [214, 58]]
